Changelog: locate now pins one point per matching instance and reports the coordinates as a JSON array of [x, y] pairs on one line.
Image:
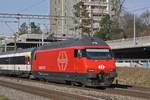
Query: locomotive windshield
[[98, 53]]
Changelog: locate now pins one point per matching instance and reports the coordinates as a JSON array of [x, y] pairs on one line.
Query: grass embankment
[[134, 76], [3, 98]]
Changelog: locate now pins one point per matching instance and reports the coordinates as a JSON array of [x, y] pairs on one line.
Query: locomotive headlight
[[112, 70], [90, 70]]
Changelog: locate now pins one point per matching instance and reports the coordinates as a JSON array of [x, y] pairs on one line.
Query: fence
[[133, 63]]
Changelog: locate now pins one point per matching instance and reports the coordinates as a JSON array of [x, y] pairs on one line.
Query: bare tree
[[145, 16], [117, 7], [126, 23]]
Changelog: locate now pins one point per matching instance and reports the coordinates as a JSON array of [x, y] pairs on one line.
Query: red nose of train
[[96, 66]]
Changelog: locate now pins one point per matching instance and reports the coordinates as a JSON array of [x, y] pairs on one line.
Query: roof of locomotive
[[16, 51], [74, 42]]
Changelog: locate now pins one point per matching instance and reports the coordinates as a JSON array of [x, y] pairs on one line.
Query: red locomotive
[[86, 61]]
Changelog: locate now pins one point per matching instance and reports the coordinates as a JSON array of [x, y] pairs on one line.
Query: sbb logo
[[101, 66], [62, 60]]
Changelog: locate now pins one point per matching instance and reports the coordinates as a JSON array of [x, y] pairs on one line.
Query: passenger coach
[[17, 63]]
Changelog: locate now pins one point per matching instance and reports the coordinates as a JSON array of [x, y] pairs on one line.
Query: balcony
[[96, 3]]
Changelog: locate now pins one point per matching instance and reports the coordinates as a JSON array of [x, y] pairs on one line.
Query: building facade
[[64, 26], [61, 26]]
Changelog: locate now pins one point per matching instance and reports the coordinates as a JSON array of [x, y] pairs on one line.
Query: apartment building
[[64, 26]]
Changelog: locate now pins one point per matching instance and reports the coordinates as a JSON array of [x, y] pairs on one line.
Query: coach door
[[27, 63]]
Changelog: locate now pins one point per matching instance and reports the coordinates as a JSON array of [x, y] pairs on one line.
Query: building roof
[[73, 42], [17, 51]]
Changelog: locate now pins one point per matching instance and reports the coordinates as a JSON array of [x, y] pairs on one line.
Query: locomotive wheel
[[31, 77], [42, 79], [68, 82], [76, 84]]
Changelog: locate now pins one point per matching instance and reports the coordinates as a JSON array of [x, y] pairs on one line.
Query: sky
[[131, 5], [24, 6], [42, 7]]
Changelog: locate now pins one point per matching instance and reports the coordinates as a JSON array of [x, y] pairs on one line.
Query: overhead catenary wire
[[31, 16], [10, 28], [33, 5], [137, 9]]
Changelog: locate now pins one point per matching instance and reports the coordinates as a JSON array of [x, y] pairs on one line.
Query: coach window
[[4, 60]]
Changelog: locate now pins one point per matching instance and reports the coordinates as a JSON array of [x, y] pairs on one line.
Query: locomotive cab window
[[98, 53], [79, 53]]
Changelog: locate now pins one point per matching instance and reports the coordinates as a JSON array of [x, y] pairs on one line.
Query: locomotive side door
[[78, 55], [76, 62]]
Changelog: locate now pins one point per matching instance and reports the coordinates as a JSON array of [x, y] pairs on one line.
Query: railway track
[[52, 94], [68, 92]]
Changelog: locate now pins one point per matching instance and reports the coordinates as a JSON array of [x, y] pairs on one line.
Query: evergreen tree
[[105, 29], [23, 29], [83, 18], [35, 29]]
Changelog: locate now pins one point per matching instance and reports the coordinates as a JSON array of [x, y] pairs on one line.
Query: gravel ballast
[[19, 95], [13, 94]]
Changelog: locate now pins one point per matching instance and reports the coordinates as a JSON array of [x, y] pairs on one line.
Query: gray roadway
[[125, 48]]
